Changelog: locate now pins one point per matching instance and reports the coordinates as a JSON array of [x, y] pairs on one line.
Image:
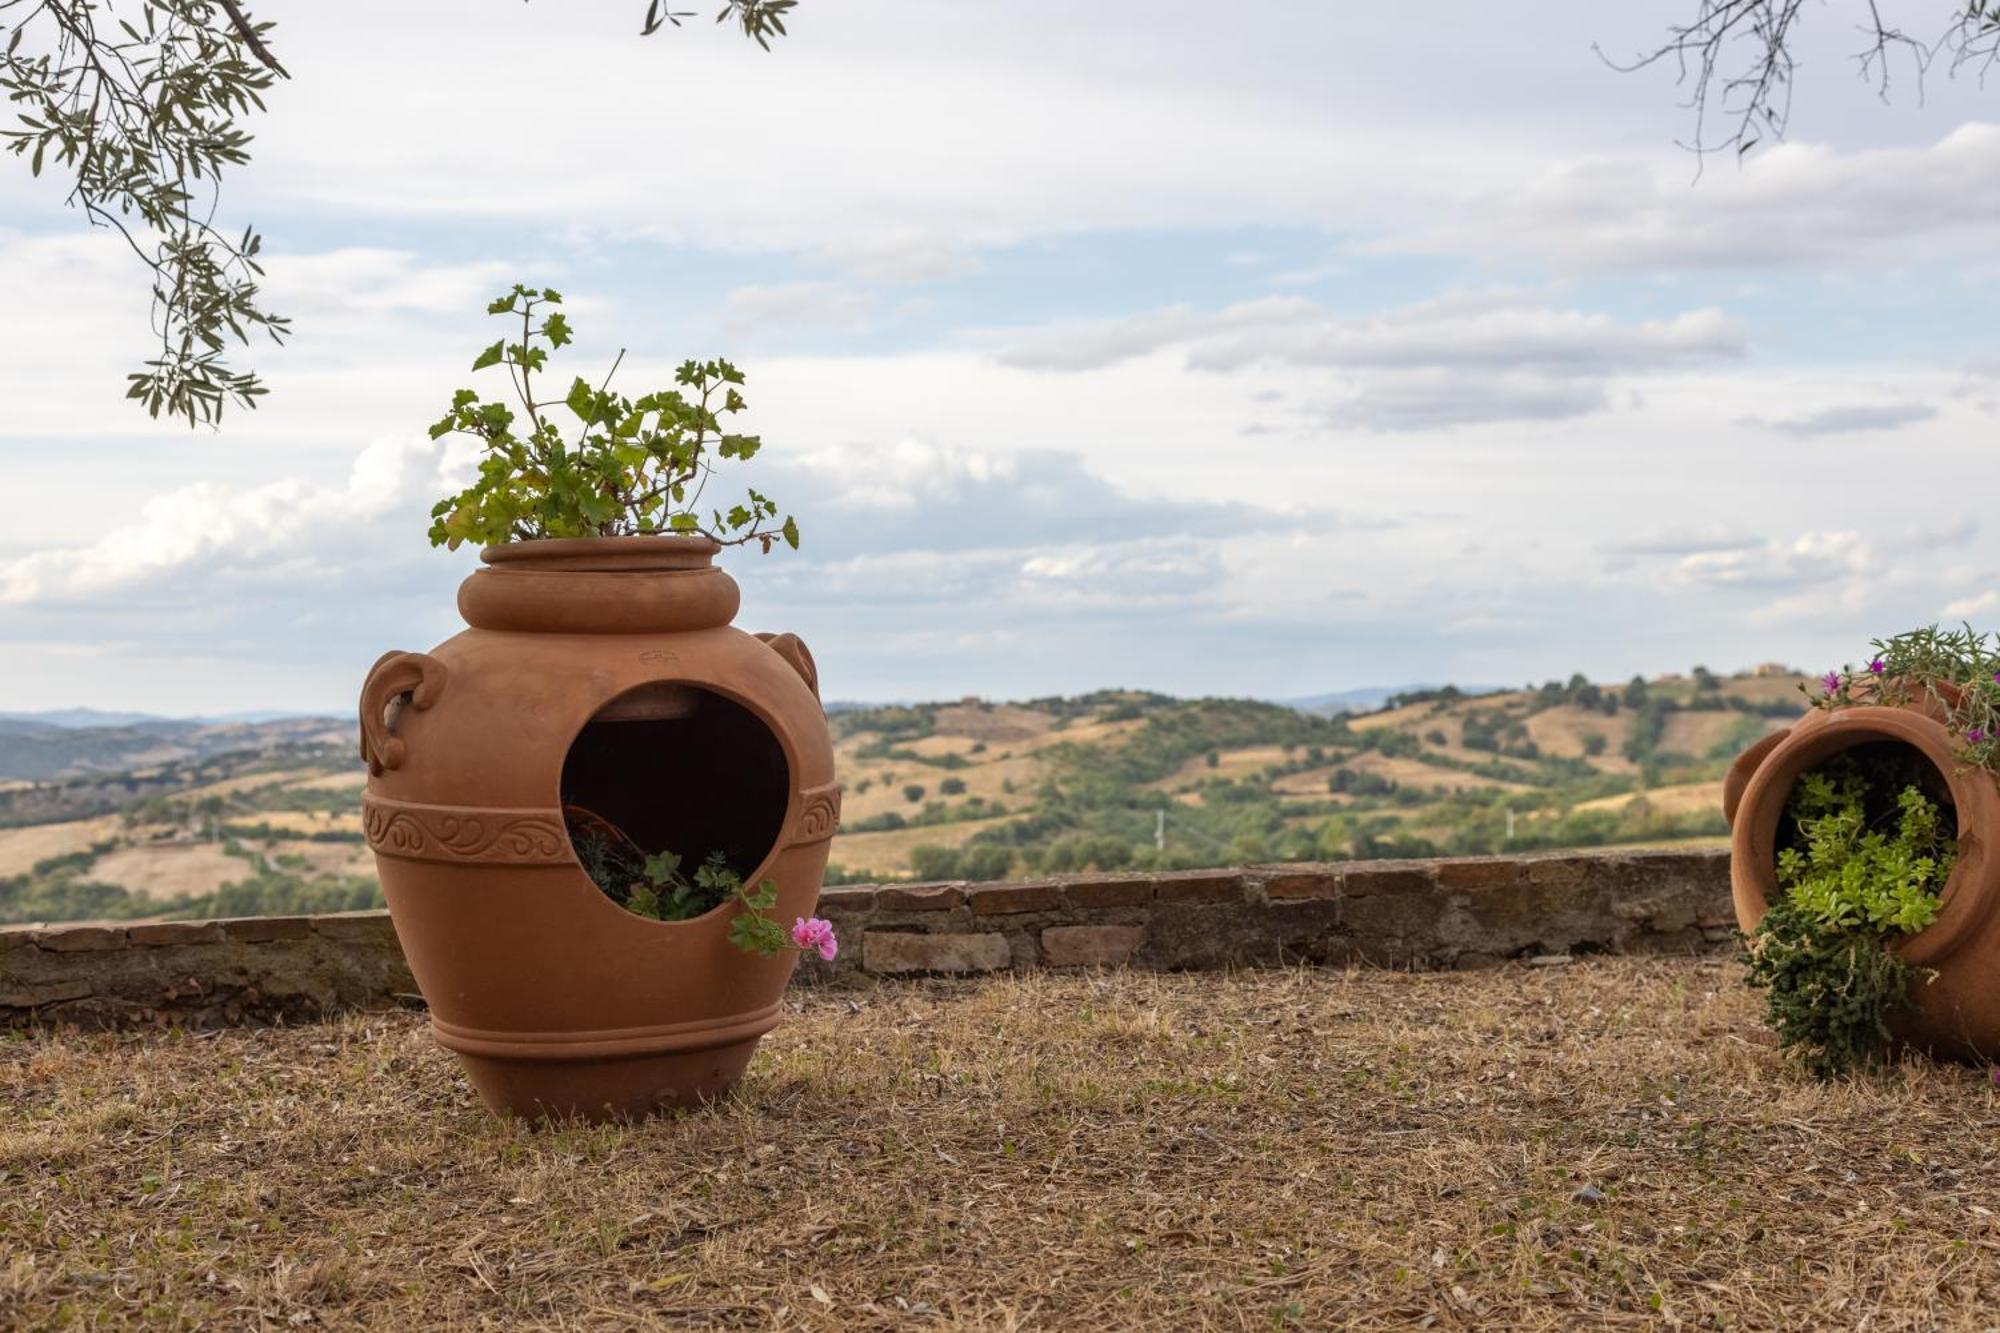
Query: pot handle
[[793, 649], [396, 681], [1740, 771]]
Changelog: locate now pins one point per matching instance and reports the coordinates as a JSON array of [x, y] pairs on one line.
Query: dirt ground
[[1607, 1143]]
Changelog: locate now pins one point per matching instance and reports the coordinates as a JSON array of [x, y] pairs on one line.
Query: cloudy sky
[[1258, 352]]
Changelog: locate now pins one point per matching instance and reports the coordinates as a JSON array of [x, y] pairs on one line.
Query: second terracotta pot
[[1957, 1015]]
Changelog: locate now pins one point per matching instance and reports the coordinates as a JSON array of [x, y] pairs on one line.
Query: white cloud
[[1469, 357], [796, 305], [1975, 607], [1160, 572], [1809, 559], [1433, 399], [1847, 419], [1483, 331], [1683, 542], [1078, 345], [192, 543], [363, 281], [1786, 204], [898, 256]]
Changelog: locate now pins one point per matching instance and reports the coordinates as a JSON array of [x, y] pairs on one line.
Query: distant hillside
[[1372, 697], [247, 818], [37, 750], [80, 717]]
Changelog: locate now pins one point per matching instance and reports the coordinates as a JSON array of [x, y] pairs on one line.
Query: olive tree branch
[[251, 39]]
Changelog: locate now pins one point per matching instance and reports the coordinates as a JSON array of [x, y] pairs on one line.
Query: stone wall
[[1413, 914], [201, 973]]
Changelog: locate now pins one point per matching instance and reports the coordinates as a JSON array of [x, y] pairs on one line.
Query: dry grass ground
[[1608, 1143]]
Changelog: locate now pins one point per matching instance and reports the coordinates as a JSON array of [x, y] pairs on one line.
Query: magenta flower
[[1832, 682], [1976, 735], [1877, 666], [1996, 678], [815, 935]]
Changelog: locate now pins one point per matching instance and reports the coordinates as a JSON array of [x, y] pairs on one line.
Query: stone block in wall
[[920, 898], [81, 939], [1119, 891], [1009, 899], [356, 928], [1282, 885], [1401, 922], [1564, 870], [847, 898], [1090, 946], [1478, 872], [1383, 879], [1198, 886], [897, 952], [265, 929], [156, 934], [1198, 936]]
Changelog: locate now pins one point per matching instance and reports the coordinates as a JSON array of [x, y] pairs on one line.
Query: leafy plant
[[631, 465], [1855, 884], [656, 888]]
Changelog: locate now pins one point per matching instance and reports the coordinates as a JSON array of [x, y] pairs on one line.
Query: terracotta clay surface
[[556, 999], [1958, 1013]]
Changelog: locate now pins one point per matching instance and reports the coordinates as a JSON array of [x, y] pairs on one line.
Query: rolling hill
[[240, 818]]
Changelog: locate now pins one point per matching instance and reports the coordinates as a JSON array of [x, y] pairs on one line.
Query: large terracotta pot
[[1957, 1015], [603, 673]]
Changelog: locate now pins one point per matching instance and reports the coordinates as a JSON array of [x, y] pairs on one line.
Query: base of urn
[[626, 1087]]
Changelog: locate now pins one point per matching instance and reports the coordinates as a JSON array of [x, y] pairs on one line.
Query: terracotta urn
[[603, 675], [1957, 1013]]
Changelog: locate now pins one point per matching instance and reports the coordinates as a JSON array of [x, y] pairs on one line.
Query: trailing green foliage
[[655, 887], [635, 465], [1955, 672], [1832, 993], [1858, 881], [1850, 876]]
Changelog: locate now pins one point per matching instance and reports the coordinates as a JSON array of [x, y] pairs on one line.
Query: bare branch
[[1735, 56]]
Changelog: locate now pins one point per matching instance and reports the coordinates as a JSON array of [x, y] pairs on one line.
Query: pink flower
[[1976, 735], [1832, 682], [1877, 666], [815, 934]]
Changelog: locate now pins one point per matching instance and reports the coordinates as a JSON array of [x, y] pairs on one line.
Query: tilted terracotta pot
[[1958, 1014], [605, 673]]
